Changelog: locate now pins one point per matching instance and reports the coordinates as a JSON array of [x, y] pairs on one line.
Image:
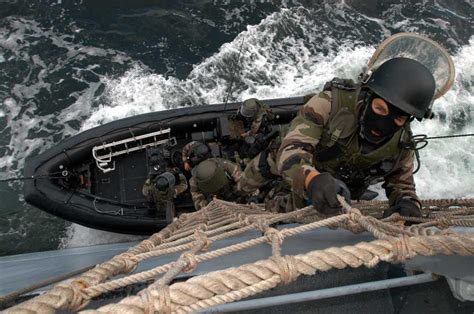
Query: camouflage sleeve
[[295, 155], [400, 183], [181, 186], [187, 150], [264, 113], [233, 169], [256, 123], [199, 199]]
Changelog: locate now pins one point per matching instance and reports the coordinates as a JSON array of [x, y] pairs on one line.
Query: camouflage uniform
[[187, 150], [261, 169], [324, 137], [239, 127], [232, 170], [264, 113], [152, 194]]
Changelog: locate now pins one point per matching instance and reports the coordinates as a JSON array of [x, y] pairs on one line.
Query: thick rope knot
[[129, 260], [261, 225], [352, 226], [183, 220], [190, 260], [202, 238], [401, 249], [205, 216], [287, 268], [159, 238], [202, 227], [270, 233], [243, 219], [354, 214], [77, 300], [149, 245], [157, 299]]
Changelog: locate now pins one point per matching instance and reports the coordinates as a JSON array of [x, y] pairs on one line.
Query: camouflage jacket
[[264, 115], [152, 194], [240, 128], [233, 171], [186, 152], [308, 134]]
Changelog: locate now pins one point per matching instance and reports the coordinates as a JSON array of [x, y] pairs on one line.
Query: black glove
[[405, 207], [322, 191]]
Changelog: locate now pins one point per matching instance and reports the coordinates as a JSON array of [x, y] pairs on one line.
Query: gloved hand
[[405, 207], [322, 191]]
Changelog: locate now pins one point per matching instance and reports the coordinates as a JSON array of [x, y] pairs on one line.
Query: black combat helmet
[[249, 108], [406, 84], [210, 177], [199, 152], [165, 180]]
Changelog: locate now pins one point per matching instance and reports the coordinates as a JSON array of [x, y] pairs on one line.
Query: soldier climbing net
[[194, 233]]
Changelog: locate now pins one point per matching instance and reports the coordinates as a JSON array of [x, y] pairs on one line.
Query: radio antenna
[[236, 64]]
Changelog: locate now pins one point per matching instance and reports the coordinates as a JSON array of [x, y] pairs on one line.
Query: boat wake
[[290, 52]]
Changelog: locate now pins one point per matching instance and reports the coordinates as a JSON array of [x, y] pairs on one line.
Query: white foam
[[293, 66], [288, 53], [447, 168], [137, 91], [23, 117]]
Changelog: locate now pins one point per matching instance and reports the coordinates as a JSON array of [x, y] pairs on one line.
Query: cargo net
[[194, 233]]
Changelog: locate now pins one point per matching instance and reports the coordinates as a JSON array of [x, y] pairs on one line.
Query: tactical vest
[[339, 151]]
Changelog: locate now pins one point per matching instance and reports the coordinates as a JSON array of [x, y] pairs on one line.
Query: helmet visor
[[421, 49]]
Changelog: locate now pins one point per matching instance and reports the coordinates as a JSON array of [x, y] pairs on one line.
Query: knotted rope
[[195, 232]]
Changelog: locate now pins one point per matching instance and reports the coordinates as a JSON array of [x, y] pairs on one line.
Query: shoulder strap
[[342, 120]]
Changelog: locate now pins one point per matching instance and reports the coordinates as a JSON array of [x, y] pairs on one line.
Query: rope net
[[193, 234]]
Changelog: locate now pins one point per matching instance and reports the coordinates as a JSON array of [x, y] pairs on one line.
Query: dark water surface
[[66, 66]]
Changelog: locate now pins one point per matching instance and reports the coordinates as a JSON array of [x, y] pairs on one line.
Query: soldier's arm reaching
[[199, 199], [182, 186], [399, 184], [295, 156], [233, 169]]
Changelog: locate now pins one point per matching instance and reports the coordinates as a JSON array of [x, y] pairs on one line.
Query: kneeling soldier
[[163, 188], [214, 177]]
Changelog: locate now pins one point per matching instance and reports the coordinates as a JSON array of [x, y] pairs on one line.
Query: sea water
[[68, 67]]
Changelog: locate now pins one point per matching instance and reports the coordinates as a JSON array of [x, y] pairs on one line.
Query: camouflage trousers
[[258, 172], [281, 199]]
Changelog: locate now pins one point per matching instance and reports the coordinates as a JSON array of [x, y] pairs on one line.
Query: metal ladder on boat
[[104, 154]]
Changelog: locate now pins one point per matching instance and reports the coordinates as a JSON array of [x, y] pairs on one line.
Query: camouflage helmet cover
[[195, 152], [249, 108], [210, 176]]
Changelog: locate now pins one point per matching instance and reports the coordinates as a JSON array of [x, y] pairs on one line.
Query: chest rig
[[339, 151]]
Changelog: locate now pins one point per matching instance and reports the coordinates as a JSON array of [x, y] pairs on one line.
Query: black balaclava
[[385, 125]]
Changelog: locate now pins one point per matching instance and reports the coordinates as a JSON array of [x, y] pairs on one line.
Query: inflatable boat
[[95, 178]]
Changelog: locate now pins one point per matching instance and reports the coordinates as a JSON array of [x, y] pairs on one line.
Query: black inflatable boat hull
[[114, 202]]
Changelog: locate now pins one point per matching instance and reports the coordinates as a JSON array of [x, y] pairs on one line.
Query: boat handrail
[[103, 154]]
